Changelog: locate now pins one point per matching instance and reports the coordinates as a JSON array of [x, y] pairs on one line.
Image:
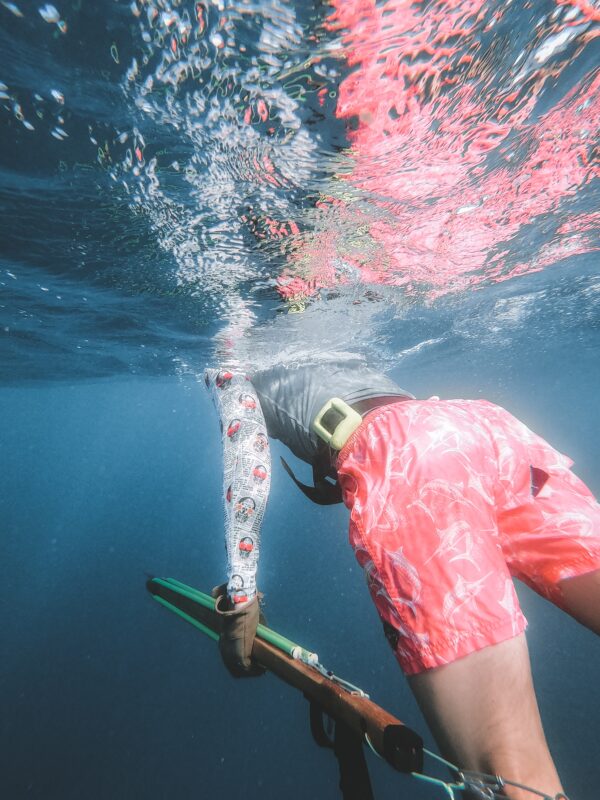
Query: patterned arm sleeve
[[246, 476]]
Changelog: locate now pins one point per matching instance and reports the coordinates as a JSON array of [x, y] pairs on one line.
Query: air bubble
[[49, 13], [14, 9]]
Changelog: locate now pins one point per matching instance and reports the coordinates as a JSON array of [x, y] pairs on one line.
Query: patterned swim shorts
[[449, 500]]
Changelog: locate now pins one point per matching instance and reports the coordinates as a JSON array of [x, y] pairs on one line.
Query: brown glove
[[238, 629]]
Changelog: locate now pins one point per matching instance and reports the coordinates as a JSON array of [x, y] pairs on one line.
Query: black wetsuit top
[[292, 396]]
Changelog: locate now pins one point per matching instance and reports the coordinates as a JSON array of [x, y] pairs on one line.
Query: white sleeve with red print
[[246, 476]]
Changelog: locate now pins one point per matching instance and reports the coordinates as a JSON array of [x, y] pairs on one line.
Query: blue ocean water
[[122, 278]]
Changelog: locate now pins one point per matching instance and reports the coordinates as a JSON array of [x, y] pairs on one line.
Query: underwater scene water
[[187, 184]]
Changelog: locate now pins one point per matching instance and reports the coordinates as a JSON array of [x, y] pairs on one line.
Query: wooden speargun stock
[[398, 744]]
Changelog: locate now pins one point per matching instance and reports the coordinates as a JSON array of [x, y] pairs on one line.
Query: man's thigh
[[483, 714]]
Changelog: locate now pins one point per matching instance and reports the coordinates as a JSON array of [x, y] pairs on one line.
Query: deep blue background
[[106, 695]]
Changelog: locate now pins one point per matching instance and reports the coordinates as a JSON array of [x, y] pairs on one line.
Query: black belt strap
[[325, 492]]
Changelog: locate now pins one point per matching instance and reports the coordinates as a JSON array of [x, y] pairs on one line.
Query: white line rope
[[488, 787]]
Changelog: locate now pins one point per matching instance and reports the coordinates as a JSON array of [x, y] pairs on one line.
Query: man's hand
[[238, 629]]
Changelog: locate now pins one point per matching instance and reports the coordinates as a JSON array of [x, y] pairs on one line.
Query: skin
[[482, 709], [581, 599]]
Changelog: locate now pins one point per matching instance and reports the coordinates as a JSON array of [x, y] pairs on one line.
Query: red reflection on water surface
[[449, 148]]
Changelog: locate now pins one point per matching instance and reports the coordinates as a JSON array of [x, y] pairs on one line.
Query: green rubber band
[[266, 634], [210, 633]]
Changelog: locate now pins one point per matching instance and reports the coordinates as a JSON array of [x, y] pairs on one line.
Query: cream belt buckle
[[336, 422]]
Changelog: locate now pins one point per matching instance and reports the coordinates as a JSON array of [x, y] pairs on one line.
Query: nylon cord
[[469, 780]]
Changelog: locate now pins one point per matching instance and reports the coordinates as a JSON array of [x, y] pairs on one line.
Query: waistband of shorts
[[369, 417]]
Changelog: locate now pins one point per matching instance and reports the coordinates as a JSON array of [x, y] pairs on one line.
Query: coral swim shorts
[[449, 500]]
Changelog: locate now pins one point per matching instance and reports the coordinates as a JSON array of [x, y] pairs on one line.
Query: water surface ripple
[[177, 177]]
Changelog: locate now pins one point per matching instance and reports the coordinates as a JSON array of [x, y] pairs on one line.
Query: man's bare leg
[[483, 713], [581, 599]]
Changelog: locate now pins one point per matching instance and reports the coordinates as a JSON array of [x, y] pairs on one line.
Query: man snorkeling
[[449, 500]]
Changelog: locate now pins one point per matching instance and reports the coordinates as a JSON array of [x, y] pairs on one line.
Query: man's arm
[[246, 477]]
